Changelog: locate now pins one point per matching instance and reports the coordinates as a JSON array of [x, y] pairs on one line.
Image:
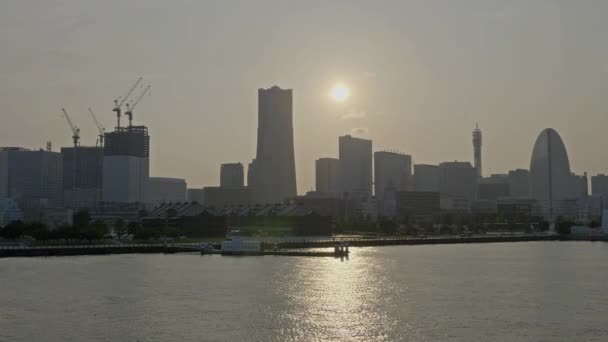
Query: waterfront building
[[167, 190], [426, 177], [232, 175], [550, 177], [327, 176], [418, 205], [274, 177], [355, 165]]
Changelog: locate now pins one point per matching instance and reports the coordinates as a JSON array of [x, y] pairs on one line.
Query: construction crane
[[131, 107], [74, 128], [119, 102], [100, 128]]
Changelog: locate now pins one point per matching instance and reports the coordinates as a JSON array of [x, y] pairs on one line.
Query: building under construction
[[127, 141], [126, 166]]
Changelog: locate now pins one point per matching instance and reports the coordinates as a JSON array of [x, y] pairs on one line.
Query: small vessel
[[237, 246]]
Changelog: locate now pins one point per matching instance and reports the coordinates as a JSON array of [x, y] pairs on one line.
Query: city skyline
[[404, 95]]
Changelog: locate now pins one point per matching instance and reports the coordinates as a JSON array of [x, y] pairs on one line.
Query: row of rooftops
[[181, 209]]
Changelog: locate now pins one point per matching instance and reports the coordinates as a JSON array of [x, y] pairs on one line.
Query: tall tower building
[[275, 169], [477, 150], [355, 166], [232, 175], [327, 176]]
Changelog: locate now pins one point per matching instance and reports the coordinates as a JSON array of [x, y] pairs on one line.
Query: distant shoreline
[[74, 250]]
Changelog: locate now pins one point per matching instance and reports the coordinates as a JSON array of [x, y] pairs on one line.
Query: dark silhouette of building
[[327, 176], [274, 176], [82, 176], [232, 175], [355, 169]]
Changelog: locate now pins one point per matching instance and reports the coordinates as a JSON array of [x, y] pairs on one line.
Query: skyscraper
[[232, 175], [391, 171], [355, 168], [327, 176], [82, 176], [550, 177], [275, 170], [477, 150]]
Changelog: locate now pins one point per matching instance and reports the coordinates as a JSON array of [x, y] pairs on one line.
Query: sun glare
[[339, 92]]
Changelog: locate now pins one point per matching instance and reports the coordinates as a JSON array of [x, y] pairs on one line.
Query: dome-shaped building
[[550, 177]]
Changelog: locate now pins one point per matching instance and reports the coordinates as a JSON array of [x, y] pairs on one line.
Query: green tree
[[13, 230], [120, 228], [81, 218]]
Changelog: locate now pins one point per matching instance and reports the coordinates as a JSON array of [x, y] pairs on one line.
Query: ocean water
[[529, 291]]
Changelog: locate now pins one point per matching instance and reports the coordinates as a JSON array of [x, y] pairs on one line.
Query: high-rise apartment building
[[355, 160], [273, 178]]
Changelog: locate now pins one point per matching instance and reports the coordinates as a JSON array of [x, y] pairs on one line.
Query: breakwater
[[33, 251]]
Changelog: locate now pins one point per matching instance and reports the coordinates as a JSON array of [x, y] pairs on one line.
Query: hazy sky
[[421, 74]]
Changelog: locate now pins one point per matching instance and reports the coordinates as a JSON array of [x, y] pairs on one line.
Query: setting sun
[[339, 92]]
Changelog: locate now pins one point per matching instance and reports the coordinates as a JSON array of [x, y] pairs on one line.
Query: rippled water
[[549, 291]]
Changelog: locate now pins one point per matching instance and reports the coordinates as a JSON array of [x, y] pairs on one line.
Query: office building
[[126, 165], [196, 195], [599, 185], [32, 178], [232, 175], [418, 205], [458, 182], [355, 165], [581, 186], [274, 178], [391, 171], [327, 176], [426, 178], [82, 176], [9, 211], [519, 183], [218, 197], [167, 190]]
